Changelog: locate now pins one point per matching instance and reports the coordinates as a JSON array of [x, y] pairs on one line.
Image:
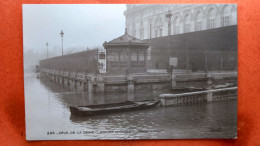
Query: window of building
[[198, 26], [115, 57], [156, 33], [226, 16], [110, 57], [158, 27], [141, 56], [187, 25], [187, 28], [225, 21], [161, 31], [211, 23], [123, 59], [176, 29], [176, 25], [123, 56], [134, 55], [198, 21], [211, 18]]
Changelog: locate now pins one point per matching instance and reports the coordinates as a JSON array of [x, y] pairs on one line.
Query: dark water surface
[[48, 116]]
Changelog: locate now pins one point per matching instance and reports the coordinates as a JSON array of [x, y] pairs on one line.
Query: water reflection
[[71, 97], [191, 121]]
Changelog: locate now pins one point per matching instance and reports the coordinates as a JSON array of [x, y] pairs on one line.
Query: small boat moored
[[91, 110]]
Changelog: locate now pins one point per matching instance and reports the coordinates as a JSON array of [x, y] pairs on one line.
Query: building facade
[[149, 21], [126, 54]]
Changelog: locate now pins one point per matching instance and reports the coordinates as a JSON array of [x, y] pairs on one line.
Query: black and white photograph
[[130, 71]]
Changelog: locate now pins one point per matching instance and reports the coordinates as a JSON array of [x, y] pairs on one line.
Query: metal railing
[[166, 96], [199, 96]]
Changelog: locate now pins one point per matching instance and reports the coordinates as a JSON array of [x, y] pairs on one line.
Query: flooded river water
[[48, 116]]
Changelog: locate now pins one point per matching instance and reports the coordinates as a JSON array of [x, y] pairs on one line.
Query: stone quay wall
[[100, 83]]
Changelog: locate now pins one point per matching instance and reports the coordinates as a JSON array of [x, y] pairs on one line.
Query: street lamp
[[47, 49], [168, 17], [61, 34]]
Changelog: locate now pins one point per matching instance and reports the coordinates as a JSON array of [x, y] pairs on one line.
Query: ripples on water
[[47, 109]]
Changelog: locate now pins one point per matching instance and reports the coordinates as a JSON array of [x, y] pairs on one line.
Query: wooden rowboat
[[112, 107]]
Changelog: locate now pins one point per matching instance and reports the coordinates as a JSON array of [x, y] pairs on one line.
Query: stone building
[[200, 37], [149, 21]]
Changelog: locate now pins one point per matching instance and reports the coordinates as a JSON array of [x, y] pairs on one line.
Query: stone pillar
[[209, 79], [90, 98], [52, 78], [76, 85], [163, 102], [90, 86], [209, 96], [130, 85], [60, 80], [130, 96], [72, 84], [79, 85], [173, 80], [65, 82], [82, 85]]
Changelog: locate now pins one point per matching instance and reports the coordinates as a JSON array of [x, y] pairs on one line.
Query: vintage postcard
[[130, 71]]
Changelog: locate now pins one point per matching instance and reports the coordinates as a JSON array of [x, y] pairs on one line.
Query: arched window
[[158, 27], [141, 31], [226, 11], [198, 21], [176, 25], [211, 18], [187, 23]]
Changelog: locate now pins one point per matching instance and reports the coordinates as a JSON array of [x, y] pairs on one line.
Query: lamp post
[[47, 49], [168, 17], [61, 34]]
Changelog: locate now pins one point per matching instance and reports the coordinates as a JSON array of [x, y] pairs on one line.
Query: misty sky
[[83, 25]]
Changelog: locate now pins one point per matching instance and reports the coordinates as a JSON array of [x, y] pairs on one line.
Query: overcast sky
[[83, 25]]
